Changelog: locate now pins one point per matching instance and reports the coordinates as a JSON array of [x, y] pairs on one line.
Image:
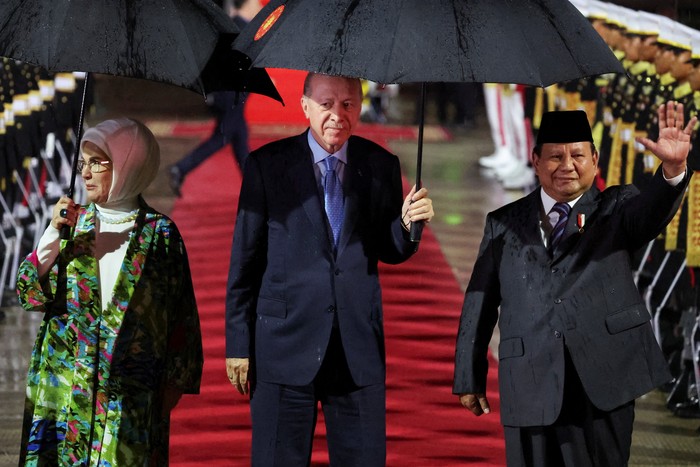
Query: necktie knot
[[330, 162], [563, 209]]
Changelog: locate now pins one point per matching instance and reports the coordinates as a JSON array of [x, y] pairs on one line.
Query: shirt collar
[[548, 202], [320, 153]]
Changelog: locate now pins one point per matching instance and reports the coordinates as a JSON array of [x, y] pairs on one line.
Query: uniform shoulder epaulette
[[682, 90], [640, 68], [667, 79]]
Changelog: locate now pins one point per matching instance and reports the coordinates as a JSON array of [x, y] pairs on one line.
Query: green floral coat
[[97, 379]]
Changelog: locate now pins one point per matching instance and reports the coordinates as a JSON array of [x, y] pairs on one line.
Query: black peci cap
[[564, 126]]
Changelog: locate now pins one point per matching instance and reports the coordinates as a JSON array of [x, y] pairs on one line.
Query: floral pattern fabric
[[98, 375]]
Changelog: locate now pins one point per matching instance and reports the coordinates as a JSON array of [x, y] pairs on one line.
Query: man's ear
[[305, 106]]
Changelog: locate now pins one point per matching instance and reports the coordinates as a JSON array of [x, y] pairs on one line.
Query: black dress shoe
[[176, 180], [688, 409]]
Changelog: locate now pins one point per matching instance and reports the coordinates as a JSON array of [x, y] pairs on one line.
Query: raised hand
[[673, 144]]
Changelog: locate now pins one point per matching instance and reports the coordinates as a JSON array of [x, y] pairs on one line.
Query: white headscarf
[[134, 153]]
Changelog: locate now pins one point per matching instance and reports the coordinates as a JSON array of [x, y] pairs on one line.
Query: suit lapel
[[582, 212], [302, 178], [355, 184], [531, 225]]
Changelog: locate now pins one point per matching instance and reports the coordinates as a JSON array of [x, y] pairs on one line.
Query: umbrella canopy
[[169, 41], [186, 43], [533, 42], [230, 70]]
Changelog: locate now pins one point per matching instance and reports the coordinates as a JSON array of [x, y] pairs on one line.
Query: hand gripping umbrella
[[532, 42], [186, 43]]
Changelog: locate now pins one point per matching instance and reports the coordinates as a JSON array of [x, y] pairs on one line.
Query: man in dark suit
[[303, 306], [228, 107], [576, 346]]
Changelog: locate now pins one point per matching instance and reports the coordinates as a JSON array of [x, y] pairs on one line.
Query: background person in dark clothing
[[229, 107]]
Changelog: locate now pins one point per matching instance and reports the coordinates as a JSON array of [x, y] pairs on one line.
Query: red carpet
[[425, 424]]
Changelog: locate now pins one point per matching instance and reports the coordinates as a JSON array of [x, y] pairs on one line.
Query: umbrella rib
[[9, 20], [462, 44], [539, 79], [394, 79], [566, 44], [190, 56], [50, 18], [338, 43]]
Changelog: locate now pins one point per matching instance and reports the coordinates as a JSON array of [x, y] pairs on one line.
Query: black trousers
[[582, 436], [284, 418]]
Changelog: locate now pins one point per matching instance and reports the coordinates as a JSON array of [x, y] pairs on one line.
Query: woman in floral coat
[[120, 341]]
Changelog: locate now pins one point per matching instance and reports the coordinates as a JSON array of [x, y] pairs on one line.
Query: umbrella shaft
[[419, 156], [78, 137], [417, 227], [66, 230]]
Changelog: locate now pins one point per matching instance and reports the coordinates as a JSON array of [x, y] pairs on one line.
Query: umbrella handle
[[65, 232], [416, 231]]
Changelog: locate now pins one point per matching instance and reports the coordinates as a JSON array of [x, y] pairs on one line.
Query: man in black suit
[[576, 346], [228, 107], [303, 305]]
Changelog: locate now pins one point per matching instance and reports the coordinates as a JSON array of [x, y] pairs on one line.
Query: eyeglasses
[[95, 166]]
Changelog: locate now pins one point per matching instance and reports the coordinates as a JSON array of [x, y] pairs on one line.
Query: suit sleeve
[[248, 261], [645, 214], [478, 319], [396, 246]]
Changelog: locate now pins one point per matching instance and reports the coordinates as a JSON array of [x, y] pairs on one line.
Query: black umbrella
[[186, 43], [169, 41], [230, 70], [533, 42]]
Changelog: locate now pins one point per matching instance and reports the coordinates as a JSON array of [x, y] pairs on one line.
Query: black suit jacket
[[285, 284], [582, 297]]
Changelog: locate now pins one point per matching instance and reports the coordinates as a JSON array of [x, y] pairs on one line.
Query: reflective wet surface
[[462, 196]]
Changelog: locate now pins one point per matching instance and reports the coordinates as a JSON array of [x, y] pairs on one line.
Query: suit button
[[557, 301], [557, 334], [337, 272], [331, 309], [554, 270]]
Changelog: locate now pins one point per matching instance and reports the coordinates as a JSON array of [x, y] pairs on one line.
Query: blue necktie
[[333, 197], [558, 231]]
